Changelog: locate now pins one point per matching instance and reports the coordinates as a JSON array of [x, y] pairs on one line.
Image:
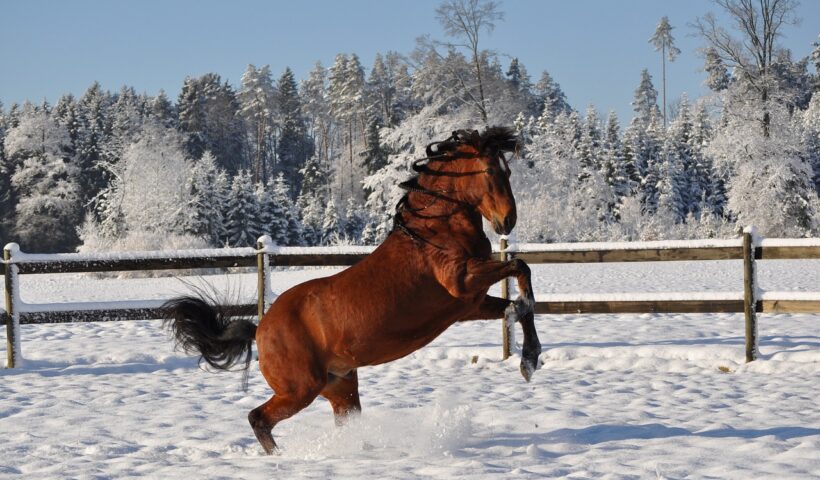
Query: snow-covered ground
[[619, 396]]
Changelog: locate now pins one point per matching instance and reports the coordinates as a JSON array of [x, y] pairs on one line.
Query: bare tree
[[466, 20], [751, 56], [663, 42]]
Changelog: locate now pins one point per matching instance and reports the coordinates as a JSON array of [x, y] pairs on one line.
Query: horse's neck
[[446, 224]]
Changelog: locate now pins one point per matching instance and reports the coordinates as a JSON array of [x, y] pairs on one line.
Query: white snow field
[[619, 396]]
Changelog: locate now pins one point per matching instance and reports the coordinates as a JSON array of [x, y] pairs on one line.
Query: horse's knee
[[520, 267], [256, 418]]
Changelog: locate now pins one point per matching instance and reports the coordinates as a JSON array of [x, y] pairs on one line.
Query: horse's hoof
[[526, 370], [529, 360]]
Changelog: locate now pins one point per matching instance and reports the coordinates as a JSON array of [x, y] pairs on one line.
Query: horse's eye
[[490, 171]]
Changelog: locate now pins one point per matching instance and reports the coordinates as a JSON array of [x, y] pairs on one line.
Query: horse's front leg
[[477, 275]]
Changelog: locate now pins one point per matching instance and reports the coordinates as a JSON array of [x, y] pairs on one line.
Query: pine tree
[[208, 187], [208, 113], [374, 157], [94, 133], [290, 232], [645, 103], [615, 168], [403, 101], [353, 222], [381, 92], [518, 77], [65, 113], [162, 110], [650, 165], [126, 123], [550, 97], [330, 223], [257, 102], [346, 92], [271, 219], [312, 209], [317, 110], [717, 78], [589, 145], [242, 215], [663, 42], [294, 147], [679, 190]]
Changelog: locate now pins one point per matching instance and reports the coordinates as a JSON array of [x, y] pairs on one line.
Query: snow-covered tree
[[663, 42], [289, 226], [550, 99], [209, 187], [330, 223], [47, 198], [208, 114], [381, 92], [94, 135], [293, 147], [717, 76], [242, 218], [769, 180], [354, 221], [150, 191], [257, 98], [317, 110], [646, 99]]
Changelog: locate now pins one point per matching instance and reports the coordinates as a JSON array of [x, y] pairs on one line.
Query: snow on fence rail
[[748, 248]]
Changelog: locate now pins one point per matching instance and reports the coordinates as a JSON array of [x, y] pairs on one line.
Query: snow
[[788, 242], [618, 396], [653, 245], [638, 297], [794, 295], [22, 257]]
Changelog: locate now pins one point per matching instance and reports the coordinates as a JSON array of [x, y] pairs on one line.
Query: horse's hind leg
[[343, 395], [281, 406]]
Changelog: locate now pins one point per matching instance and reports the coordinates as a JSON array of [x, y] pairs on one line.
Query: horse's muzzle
[[504, 227]]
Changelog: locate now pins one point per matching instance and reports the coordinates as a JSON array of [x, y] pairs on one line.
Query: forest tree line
[[317, 161]]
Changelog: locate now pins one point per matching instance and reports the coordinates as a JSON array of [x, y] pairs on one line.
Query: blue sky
[[594, 48]]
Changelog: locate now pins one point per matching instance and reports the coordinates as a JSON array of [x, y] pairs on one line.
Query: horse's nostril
[[509, 223]]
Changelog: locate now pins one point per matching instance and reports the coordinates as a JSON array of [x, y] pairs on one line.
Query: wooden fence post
[[262, 279], [13, 357], [750, 293], [505, 294]]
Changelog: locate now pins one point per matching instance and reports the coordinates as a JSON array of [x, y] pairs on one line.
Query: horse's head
[[476, 172]]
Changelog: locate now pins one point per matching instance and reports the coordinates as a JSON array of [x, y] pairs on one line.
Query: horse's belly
[[401, 333]]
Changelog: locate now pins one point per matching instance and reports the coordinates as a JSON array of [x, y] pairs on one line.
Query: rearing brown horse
[[434, 269]]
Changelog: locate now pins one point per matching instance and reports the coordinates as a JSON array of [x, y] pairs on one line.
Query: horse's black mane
[[494, 141]]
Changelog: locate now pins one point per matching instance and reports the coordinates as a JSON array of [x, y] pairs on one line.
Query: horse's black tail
[[200, 326]]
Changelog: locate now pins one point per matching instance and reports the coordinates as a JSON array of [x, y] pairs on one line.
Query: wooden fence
[[747, 248]]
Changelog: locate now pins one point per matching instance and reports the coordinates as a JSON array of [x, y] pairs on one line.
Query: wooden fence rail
[[749, 249]]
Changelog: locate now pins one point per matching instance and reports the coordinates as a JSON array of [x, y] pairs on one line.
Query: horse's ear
[[497, 140]]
